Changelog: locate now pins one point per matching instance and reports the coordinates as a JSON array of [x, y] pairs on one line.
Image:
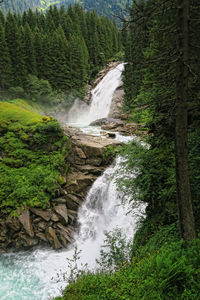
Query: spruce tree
[[14, 38], [6, 76], [29, 51]]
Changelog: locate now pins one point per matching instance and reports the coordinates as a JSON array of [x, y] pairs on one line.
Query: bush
[[38, 89], [17, 91], [169, 271]]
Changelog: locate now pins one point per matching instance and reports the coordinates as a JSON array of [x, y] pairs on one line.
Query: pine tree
[[78, 62], [29, 51], [6, 76], [14, 40], [58, 67]]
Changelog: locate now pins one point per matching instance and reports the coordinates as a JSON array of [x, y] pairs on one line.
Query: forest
[[74, 42], [107, 8]]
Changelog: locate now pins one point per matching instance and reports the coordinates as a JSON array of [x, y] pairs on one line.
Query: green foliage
[[38, 88], [115, 252], [32, 151], [162, 269], [59, 50], [153, 185], [108, 8], [150, 92]]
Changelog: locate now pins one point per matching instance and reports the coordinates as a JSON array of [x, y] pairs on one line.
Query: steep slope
[[109, 8]]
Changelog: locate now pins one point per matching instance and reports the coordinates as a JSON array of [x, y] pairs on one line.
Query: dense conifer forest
[[73, 42], [110, 8]]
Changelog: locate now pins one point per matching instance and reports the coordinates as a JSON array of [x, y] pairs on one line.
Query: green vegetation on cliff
[[32, 157]]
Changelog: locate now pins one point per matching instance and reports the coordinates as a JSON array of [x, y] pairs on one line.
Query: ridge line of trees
[[64, 47]]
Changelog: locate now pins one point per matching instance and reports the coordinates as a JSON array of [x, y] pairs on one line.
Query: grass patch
[[10, 112], [33, 151]]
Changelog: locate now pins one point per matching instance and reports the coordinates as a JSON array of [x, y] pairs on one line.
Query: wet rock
[[61, 210], [25, 241], [110, 135], [42, 237], [54, 218], [91, 169], [94, 161], [25, 220], [73, 202], [60, 200], [79, 182], [72, 216], [63, 239], [13, 223], [52, 238], [107, 121], [66, 232], [117, 103], [80, 153], [41, 226], [44, 214], [37, 220]]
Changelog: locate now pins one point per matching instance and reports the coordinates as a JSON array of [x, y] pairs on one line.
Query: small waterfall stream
[[33, 275]]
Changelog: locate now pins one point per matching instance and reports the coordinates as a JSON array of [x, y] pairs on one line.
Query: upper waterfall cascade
[[82, 115], [33, 275]]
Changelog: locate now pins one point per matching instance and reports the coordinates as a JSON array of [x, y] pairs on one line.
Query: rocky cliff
[[55, 225]]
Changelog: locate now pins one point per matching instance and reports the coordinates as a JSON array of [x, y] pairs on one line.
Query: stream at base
[[33, 275]]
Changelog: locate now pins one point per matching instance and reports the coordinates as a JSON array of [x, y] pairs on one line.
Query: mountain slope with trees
[[108, 8], [61, 50], [43, 59]]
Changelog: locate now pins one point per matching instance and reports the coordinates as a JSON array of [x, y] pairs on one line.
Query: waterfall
[[33, 275], [82, 115]]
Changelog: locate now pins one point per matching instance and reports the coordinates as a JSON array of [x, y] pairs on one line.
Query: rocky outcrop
[[120, 125], [117, 103], [55, 225]]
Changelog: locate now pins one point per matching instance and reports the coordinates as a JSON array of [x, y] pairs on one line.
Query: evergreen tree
[[29, 51], [14, 40], [6, 76], [58, 67]]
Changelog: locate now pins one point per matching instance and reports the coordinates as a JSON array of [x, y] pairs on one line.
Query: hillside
[[108, 8]]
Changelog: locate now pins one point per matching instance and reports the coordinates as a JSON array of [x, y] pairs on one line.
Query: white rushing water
[[33, 275], [81, 114]]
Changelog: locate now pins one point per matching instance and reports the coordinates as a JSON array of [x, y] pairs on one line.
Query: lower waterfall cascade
[[33, 274]]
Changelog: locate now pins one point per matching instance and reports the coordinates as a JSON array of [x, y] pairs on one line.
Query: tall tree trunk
[[186, 217]]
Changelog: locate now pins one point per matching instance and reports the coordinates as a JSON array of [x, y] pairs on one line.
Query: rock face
[[117, 103], [55, 225]]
